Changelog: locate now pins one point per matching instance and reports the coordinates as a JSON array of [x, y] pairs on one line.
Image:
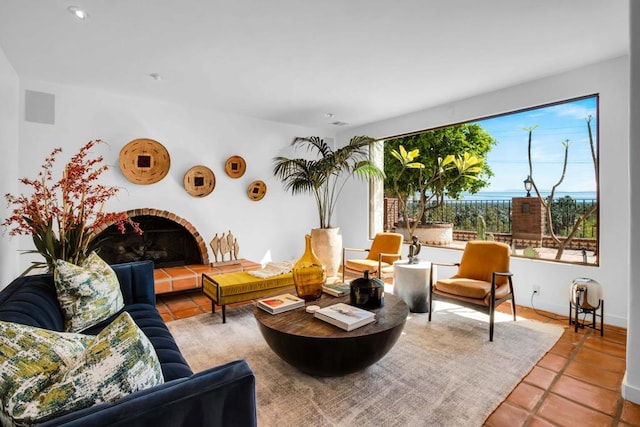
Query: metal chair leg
[[601, 318], [491, 316]]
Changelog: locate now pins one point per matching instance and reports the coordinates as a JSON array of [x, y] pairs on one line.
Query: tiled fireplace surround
[[181, 278]]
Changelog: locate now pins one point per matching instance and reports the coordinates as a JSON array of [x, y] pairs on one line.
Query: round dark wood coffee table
[[318, 348]]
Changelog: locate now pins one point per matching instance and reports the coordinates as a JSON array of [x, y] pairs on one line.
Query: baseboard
[[630, 392], [563, 310]]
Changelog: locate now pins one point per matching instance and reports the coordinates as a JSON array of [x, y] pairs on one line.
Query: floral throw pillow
[[31, 358], [87, 293], [119, 361]]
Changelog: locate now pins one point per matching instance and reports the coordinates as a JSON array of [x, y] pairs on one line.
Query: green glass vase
[[309, 274]]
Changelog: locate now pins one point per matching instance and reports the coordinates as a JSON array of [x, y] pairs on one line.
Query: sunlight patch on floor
[[473, 314]]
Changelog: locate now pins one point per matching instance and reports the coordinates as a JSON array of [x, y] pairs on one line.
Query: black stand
[[576, 309]]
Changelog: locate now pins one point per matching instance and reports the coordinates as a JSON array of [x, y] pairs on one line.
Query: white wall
[[611, 80], [271, 228], [631, 382], [8, 163]]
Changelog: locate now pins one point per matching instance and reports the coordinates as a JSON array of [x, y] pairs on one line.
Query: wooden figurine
[[215, 246], [223, 245], [236, 249]]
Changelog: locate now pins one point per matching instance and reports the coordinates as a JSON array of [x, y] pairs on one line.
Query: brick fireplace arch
[[202, 246]]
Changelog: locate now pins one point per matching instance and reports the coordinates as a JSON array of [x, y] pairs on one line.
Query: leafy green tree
[[449, 170], [433, 146]]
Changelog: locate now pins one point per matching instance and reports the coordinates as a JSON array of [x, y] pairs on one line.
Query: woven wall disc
[[199, 181], [235, 166], [257, 190], [144, 161]]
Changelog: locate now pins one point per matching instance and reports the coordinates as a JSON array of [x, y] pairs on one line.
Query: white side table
[[410, 283]]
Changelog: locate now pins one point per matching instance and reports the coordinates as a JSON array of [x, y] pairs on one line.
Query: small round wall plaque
[[199, 181], [235, 166], [144, 161], [257, 190]]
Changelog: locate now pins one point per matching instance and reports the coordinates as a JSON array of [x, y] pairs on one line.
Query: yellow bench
[[223, 289]]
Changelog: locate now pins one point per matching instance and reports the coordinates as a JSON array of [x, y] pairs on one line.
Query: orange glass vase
[[309, 274]]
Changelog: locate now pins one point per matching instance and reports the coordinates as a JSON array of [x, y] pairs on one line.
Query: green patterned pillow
[[120, 361], [88, 293], [30, 359]]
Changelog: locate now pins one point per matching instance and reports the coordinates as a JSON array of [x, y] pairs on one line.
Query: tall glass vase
[[309, 274]]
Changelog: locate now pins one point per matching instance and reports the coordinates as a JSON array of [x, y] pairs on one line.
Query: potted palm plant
[[429, 184], [324, 176]]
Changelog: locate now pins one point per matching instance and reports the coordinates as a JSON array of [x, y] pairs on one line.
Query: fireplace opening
[[165, 242]]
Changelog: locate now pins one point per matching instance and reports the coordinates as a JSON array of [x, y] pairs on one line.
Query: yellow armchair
[[483, 280], [384, 251]]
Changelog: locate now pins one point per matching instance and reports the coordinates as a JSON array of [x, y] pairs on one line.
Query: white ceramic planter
[[327, 245], [439, 234]]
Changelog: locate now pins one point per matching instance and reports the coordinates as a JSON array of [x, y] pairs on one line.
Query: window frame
[[376, 187]]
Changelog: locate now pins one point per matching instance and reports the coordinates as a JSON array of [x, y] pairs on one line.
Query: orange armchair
[[483, 280], [385, 249]]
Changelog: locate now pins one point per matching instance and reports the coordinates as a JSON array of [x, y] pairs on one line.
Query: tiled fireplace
[[168, 240], [174, 245], [177, 249]]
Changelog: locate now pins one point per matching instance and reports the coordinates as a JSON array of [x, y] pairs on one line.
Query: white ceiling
[[293, 61]]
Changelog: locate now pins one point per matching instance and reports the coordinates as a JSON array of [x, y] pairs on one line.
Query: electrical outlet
[[535, 289]]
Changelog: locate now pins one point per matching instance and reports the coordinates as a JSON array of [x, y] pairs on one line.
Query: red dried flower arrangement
[[63, 216]]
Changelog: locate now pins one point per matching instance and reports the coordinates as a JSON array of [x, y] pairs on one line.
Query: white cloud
[[572, 110]]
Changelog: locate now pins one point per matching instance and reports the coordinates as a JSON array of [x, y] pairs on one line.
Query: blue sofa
[[220, 396]]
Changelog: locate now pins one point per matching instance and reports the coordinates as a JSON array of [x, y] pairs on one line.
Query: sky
[[555, 124]]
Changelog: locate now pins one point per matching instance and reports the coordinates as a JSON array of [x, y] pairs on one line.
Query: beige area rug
[[442, 373]]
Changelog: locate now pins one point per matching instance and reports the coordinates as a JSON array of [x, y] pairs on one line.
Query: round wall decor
[[199, 181], [235, 166], [257, 190], [144, 161]]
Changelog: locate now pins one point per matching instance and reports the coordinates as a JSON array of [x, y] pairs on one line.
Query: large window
[[528, 178]]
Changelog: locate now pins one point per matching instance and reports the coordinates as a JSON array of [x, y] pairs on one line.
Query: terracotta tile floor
[[181, 305], [576, 383]]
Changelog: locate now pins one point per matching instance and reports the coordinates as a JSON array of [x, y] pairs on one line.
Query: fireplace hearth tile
[[201, 268], [162, 281], [182, 278]]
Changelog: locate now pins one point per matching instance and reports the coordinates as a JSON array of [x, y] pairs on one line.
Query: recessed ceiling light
[[339, 123], [155, 76], [78, 12]]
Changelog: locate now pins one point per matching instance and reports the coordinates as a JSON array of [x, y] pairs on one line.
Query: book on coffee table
[[280, 303], [345, 316], [337, 289]]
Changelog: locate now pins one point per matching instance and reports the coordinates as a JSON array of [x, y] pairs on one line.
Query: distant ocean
[[508, 195]]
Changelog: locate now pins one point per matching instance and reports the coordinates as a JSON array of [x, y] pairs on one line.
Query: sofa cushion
[[119, 361], [149, 320], [30, 357], [87, 293]]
